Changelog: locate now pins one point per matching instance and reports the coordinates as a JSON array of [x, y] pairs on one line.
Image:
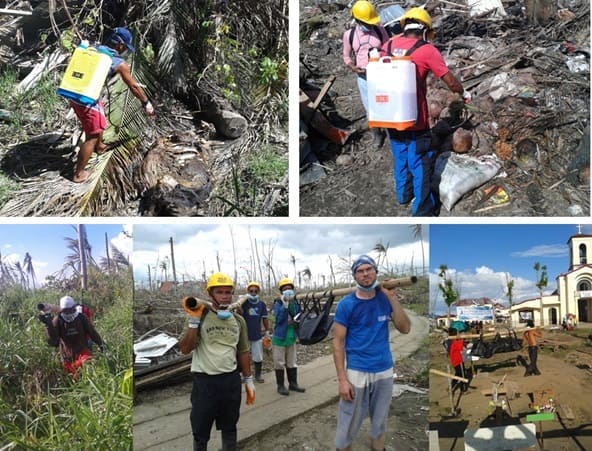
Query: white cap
[[67, 302]]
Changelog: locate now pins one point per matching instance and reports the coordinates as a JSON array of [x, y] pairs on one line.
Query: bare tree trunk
[[233, 254], [82, 252], [174, 268], [149, 279], [107, 253], [333, 282]]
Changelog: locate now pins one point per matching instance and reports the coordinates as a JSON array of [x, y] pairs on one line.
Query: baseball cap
[[122, 35]]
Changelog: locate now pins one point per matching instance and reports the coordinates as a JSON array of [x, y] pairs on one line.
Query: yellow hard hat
[[285, 281], [219, 279], [365, 12], [418, 14], [254, 284]]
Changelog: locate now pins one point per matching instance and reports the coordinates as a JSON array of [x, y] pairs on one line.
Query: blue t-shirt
[[116, 59], [367, 339], [253, 314]]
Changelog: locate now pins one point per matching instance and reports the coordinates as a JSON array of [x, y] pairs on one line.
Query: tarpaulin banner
[[475, 313]]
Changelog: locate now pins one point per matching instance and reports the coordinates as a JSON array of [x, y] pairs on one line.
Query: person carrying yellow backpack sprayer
[[82, 83]]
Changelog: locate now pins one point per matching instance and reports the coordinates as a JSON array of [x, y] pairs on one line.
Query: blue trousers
[[414, 166]]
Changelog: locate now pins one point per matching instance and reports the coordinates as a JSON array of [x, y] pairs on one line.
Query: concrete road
[[165, 425]]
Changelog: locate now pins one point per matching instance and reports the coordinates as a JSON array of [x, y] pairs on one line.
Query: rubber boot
[[279, 378], [229, 441], [258, 377], [292, 380], [378, 137]]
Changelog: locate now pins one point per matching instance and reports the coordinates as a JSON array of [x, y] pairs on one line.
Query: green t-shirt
[[218, 343]]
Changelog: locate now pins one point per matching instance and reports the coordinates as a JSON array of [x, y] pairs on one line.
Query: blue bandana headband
[[363, 260]]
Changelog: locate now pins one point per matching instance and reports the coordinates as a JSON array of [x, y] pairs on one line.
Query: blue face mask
[[368, 288], [224, 314], [253, 297], [364, 28], [288, 295]]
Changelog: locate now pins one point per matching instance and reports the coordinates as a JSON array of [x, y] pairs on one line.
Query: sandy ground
[[566, 371]]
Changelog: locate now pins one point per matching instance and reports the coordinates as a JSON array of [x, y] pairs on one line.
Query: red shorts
[[72, 367], [92, 118]]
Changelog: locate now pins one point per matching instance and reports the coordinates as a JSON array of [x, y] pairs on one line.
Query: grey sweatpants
[[372, 394]]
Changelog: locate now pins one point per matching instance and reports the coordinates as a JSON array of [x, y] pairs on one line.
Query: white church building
[[573, 295]]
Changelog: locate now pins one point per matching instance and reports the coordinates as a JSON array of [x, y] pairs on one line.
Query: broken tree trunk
[[48, 64]]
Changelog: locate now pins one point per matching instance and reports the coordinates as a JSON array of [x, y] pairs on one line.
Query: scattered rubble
[[529, 80]]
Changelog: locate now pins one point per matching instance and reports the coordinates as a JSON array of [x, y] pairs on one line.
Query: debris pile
[[528, 72]]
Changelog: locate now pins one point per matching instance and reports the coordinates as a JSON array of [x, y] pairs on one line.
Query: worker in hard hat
[[254, 312], [285, 311], [92, 117], [414, 159], [358, 42], [220, 346], [71, 330], [362, 355]]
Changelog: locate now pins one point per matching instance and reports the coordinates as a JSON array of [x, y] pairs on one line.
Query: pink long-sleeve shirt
[[362, 43]]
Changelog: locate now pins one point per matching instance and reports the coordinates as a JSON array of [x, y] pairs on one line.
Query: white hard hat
[[67, 302]]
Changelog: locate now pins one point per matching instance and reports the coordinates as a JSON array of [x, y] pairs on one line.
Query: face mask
[[368, 288], [69, 317], [364, 28], [224, 314], [288, 295], [252, 297]]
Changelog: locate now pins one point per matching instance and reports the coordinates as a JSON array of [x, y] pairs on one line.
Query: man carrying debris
[[530, 339], [70, 331], [255, 312], [220, 346], [413, 157], [362, 355], [368, 34], [285, 310], [92, 117]]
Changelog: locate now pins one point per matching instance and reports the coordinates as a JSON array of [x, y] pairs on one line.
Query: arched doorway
[[584, 310]]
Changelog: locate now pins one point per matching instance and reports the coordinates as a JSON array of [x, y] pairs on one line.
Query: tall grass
[[44, 408]]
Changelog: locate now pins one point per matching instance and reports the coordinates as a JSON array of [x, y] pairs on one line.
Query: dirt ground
[[565, 370], [363, 184], [315, 431]]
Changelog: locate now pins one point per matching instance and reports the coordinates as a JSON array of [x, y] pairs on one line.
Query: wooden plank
[[433, 439], [323, 93], [545, 416], [448, 375]]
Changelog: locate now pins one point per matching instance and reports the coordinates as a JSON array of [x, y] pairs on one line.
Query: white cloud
[[544, 250], [123, 241], [200, 249], [482, 282]]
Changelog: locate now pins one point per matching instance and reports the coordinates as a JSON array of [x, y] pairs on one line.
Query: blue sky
[[478, 256], [47, 246], [197, 248]]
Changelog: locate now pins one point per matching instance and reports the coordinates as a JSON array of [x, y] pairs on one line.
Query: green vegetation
[[7, 187], [41, 406], [267, 165]]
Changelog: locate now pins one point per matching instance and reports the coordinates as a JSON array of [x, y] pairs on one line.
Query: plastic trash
[[460, 174]]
